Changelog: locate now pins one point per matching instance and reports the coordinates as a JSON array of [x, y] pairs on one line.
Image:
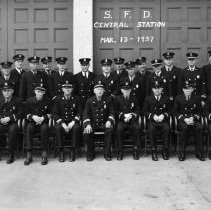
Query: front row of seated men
[[102, 113]]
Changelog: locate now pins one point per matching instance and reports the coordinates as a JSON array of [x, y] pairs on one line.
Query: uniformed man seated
[[207, 113], [37, 114], [98, 116], [67, 114], [85, 81], [127, 111], [157, 111], [187, 109], [10, 111]]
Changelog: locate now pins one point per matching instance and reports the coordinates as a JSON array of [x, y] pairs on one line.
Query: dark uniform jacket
[[58, 80], [196, 76], [84, 86], [66, 111], [207, 109], [137, 87], [125, 106], [28, 82], [153, 107], [97, 113], [172, 81], [111, 83], [120, 75], [40, 108], [14, 80], [152, 78], [187, 108], [207, 79], [17, 75], [12, 109]]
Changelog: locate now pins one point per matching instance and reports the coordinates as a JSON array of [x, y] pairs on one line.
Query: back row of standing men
[[141, 85]]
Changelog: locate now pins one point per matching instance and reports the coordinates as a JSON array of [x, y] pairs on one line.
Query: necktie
[[86, 75], [6, 78]]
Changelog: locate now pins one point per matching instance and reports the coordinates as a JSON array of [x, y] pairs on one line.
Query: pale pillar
[[82, 32]]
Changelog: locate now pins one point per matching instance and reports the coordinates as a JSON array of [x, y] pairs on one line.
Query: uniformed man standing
[[110, 81], [67, 114], [172, 73], [193, 73], [18, 70], [48, 72], [98, 116], [127, 111], [136, 83], [157, 111], [30, 78], [37, 114], [10, 111], [85, 82], [187, 109], [61, 76], [207, 76], [119, 71], [157, 74], [8, 77]]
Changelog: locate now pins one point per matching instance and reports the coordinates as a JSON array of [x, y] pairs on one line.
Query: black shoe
[[135, 154], [181, 156], [90, 157], [28, 159], [165, 154], [72, 156], [44, 161], [107, 157], [120, 156], [10, 159], [154, 156], [61, 157], [200, 157]]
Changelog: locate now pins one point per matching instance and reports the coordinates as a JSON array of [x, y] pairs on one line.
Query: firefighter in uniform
[[18, 70], [194, 74], [37, 114], [119, 71], [8, 77], [10, 111], [47, 69], [98, 116], [30, 78], [127, 112], [207, 114], [157, 74], [85, 82], [136, 82], [187, 109], [67, 114], [157, 111], [61, 76], [172, 73], [110, 81], [207, 76]]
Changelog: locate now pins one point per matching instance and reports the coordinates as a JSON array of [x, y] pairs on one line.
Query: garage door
[[188, 28], [40, 27]]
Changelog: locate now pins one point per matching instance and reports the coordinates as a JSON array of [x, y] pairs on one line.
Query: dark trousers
[[61, 136], [153, 129], [12, 130], [89, 139], [197, 130], [31, 129], [120, 131]]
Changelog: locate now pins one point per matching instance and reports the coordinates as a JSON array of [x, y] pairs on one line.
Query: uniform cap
[[106, 62], [156, 62], [140, 60], [61, 60], [84, 61], [46, 60], [168, 55], [125, 85], [18, 57], [39, 86], [157, 84], [6, 65], [34, 59], [188, 84], [98, 83], [7, 85], [67, 84], [119, 60], [192, 55], [130, 64]]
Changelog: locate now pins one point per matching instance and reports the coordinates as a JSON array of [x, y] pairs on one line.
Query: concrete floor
[[102, 185]]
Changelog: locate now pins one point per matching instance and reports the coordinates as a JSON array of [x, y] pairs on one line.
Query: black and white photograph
[[105, 104]]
